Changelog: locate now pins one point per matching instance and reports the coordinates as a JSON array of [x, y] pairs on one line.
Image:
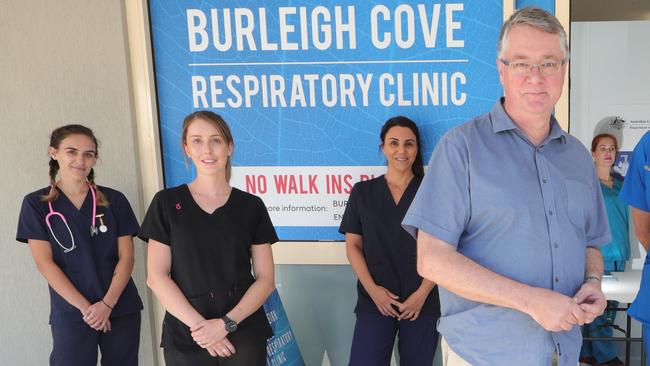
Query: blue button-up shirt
[[523, 211]]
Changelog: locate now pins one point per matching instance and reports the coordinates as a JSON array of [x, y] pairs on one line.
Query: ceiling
[[609, 10]]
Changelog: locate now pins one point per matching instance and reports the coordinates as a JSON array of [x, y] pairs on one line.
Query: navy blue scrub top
[[211, 255], [390, 251], [90, 266]]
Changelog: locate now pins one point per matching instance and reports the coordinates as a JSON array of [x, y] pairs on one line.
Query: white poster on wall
[[632, 120], [628, 123]]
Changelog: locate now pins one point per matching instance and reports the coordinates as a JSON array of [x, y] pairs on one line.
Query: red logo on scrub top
[[178, 206]]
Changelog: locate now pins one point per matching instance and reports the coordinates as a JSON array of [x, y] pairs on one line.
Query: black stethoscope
[[93, 228]]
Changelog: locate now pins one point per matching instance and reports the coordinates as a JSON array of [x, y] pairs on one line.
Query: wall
[[61, 62], [609, 74]]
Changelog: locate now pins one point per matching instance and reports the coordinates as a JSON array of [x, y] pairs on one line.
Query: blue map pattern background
[[319, 136]]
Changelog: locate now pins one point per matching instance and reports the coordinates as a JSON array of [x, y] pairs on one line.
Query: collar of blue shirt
[[502, 122]]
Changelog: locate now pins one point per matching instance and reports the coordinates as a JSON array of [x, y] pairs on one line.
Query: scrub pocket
[[175, 333]]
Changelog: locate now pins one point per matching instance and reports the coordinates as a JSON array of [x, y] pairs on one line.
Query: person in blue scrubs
[[603, 149], [392, 297], [637, 195], [80, 236]]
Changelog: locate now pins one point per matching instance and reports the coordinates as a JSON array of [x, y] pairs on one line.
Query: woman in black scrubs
[[392, 297], [202, 237]]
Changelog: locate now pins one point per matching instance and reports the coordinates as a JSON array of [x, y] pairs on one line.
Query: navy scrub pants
[[374, 337], [75, 343]]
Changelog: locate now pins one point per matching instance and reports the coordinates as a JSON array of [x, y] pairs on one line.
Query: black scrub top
[[390, 251], [211, 255], [91, 265]]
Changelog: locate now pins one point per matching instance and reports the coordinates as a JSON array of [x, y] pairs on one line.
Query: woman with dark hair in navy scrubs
[[392, 297], [203, 237], [80, 236]]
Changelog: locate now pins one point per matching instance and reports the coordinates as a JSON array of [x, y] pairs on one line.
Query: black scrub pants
[[374, 337], [249, 351], [75, 343]]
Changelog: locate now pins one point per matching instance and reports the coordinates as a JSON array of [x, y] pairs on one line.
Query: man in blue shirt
[[637, 195], [509, 216]]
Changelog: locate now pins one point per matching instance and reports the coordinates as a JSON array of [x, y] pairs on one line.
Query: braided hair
[[58, 135]]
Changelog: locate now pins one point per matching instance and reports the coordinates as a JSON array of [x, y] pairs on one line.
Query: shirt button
[[555, 244], [557, 279], [544, 180], [550, 212]]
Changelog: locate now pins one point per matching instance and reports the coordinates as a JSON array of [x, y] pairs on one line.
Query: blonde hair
[[219, 123]]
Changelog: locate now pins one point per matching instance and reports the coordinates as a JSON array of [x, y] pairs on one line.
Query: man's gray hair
[[538, 19]]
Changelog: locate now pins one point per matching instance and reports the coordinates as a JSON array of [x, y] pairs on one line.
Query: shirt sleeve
[[156, 222], [634, 189], [127, 224], [264, 232], [441, 207], [596, 224], [31, 221], [351, 221]]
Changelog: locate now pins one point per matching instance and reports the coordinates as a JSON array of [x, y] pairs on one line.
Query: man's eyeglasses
[[547, 68]]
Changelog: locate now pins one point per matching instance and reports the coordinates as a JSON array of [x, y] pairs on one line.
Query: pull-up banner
[[306, 88]]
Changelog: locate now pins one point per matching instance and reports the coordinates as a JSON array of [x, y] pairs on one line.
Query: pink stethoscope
[[93, 228]]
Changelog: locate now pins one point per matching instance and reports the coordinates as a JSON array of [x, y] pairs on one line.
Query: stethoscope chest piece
[[102, 227]]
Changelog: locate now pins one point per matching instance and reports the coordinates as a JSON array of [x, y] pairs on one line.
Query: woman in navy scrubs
[[80, 236], [392, 297], [202, 237]]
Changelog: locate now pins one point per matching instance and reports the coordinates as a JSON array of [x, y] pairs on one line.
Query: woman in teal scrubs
[[603, 149]]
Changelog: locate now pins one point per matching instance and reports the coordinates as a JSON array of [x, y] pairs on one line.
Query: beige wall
[[61, 62]]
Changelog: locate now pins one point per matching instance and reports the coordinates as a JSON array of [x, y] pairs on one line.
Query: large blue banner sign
[[306, 87]]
